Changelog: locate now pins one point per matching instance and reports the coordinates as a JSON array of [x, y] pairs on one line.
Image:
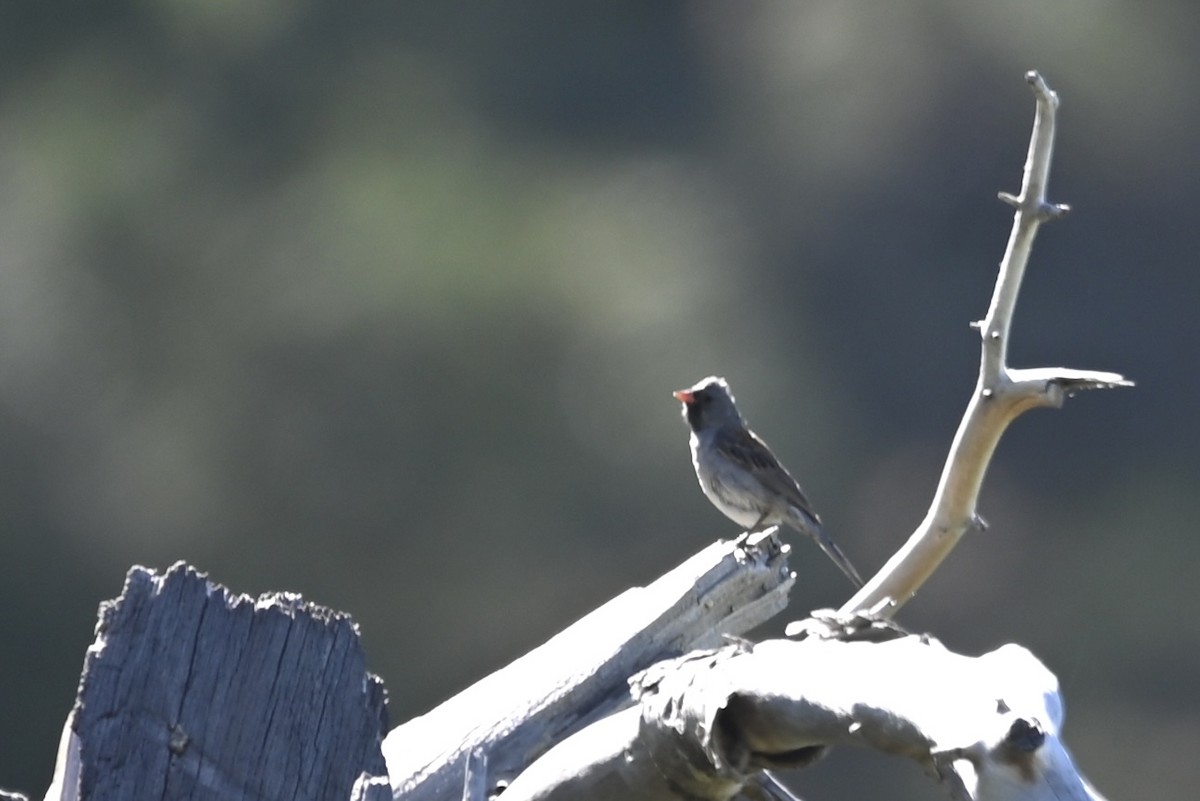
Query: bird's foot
[[754, 535]]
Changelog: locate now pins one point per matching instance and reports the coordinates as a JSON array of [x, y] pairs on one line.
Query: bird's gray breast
[[733, 490]]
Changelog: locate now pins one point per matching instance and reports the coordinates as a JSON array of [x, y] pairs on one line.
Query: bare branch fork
[[1001, 393]]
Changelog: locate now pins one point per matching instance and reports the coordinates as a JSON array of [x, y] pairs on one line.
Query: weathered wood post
[[193, 692]]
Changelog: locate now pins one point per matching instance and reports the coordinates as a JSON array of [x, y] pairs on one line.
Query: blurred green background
[[383, 304]]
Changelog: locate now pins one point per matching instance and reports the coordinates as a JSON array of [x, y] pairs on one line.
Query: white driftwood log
[[709, 723], [491, 731]]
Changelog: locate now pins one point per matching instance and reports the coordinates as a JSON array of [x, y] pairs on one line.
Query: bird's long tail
[[810, 526]]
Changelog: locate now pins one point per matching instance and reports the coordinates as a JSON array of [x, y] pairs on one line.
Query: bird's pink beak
[[683, 395]]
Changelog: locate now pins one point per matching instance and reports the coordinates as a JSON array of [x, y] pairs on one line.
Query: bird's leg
[[758, 526]]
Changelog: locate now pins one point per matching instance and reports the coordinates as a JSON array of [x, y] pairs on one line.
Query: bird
[[740, 474]]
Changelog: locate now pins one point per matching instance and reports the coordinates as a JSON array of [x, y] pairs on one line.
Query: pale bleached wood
[[1001, 393], [987, 727], [580, 675]]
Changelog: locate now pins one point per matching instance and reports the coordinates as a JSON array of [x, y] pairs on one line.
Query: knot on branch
[[1041, 88], [679, 727], [1041, 210]]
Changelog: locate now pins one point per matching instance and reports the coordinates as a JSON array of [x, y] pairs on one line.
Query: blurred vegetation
[[384, 303]]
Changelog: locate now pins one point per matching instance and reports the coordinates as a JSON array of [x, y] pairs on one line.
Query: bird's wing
[[743, 447]]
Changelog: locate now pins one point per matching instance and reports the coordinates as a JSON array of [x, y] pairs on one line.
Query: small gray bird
[[740, 475]]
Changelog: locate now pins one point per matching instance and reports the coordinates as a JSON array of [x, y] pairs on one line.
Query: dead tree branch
[[511, 717], [710, 723], [1001, 393]]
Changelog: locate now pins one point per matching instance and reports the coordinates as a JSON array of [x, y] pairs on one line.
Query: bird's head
[[708, 404]]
